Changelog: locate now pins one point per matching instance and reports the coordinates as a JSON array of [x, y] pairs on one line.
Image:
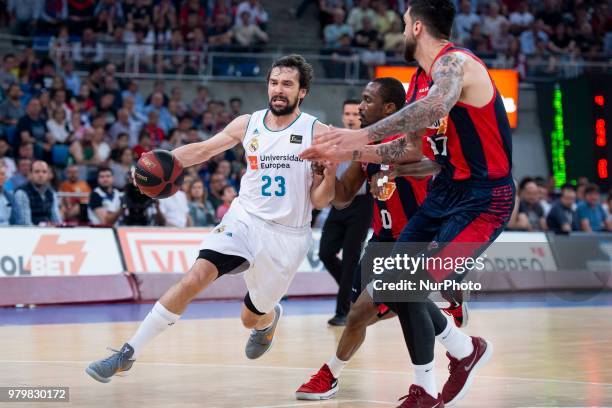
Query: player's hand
[[318, 168], [133, 178], [336, 145], [329, 170], [377, 182]]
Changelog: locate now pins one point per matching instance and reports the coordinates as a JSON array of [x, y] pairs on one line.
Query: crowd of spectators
[[531, 36], [541, 207], [173, 36], [80, 137], [163, 36]]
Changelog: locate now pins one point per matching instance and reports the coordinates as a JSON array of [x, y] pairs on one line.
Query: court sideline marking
[[352, 370]]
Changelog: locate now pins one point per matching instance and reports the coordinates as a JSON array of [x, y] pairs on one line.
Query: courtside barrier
[[62, 265], [158, 258]]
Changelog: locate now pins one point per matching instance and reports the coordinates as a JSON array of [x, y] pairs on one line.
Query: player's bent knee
[[361, 313]]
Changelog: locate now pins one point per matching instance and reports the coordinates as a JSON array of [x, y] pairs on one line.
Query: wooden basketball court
[[543, 357]]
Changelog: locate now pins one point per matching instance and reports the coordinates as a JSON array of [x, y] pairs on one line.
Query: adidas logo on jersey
[[256, 132]]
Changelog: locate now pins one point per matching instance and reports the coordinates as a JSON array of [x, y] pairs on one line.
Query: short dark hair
[[7, 56], [235, 99], [143, 134], [350, 102], [591, 188], [524, 182], [298, 62], [438, 16], [392, 91], [540, 181], [567, 186], [102, 169]]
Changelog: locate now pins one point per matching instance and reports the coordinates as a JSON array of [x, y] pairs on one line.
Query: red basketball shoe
[[459, 312], [462, 371], [321, 386], [418, 398], [457, 308]]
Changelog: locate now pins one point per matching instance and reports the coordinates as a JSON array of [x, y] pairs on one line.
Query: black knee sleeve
[[249, 304], [225, 263]]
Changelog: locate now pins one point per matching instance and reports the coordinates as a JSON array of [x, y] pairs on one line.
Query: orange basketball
[[158, 174]]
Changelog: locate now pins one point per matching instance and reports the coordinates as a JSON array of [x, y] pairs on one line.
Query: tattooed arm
[[447, 75], [402, 150]]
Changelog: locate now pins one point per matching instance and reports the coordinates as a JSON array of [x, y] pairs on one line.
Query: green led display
[[558, 140]]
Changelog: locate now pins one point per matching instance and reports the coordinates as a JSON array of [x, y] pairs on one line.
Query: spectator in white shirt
[[521, 19], [257, 15], [104, 200], [492, 22], [141, 50], [58, 126], [247, 33], [465, 20], [357, 14], [88, 50], [176, 210], [530, 37], [5, 160], [333, 32], [122, 125]]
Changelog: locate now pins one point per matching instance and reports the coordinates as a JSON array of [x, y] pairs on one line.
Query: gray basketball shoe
[[260, 341], [103, 370]]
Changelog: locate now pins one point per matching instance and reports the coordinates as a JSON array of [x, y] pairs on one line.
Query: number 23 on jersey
[[277, 187]]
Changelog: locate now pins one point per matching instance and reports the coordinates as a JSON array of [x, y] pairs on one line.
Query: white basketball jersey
[[276, 185]]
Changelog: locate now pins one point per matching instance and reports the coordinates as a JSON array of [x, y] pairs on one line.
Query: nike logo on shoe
[[469, 366]]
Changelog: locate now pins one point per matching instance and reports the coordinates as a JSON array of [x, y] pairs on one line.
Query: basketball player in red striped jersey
[[457, 108], [394, 205]]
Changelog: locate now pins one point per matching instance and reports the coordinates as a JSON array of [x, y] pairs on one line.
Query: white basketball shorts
[[274, 252]]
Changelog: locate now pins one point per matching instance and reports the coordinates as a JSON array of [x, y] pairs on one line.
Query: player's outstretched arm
[[196, 153], [401, 150], [348, 185], [343, 144], [447, 75]]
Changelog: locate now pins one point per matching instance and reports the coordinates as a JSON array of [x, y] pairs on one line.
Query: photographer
[[139, 209]]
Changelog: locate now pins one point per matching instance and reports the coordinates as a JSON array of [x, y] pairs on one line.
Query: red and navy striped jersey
[[391, 215], [471, 143]]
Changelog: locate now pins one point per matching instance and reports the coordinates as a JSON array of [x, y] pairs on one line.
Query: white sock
[[458, 344], [158, 320], [336, 365], [425, 377]]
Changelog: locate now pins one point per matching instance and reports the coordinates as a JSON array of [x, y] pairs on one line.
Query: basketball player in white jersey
[[266, 232]]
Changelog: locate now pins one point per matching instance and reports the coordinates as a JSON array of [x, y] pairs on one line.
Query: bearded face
[[281, 105]]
